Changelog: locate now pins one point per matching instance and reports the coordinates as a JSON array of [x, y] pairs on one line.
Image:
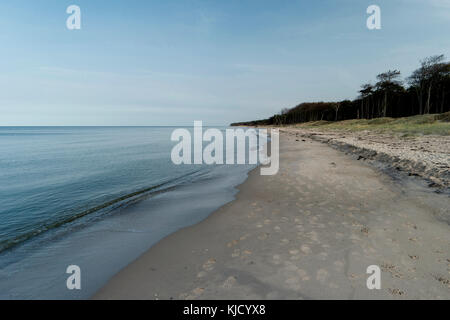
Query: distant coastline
[[425, 91]]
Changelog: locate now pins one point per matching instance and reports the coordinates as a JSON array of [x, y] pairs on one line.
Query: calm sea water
[[96, 197]]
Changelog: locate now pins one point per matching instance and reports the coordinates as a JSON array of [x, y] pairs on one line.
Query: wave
[[121, 201]]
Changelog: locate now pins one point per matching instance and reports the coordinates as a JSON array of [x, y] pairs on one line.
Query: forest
[[425, 91]]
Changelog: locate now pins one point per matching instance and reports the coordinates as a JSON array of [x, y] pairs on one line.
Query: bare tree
[[443, 82], [417, 81], [336, 107], [366, 91], [386, 82], [431, 68]]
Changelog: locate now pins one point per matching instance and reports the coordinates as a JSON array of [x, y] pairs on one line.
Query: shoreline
[[308, 232], [105, 244], [173, 237]]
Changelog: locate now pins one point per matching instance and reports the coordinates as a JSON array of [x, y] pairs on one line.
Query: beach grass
[[430, 124]]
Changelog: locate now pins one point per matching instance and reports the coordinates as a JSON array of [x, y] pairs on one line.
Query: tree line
[[426, 90]]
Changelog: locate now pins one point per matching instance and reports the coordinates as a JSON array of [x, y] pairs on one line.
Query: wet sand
[[309, 232]]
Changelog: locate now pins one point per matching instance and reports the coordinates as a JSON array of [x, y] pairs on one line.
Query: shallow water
[[96, 197]]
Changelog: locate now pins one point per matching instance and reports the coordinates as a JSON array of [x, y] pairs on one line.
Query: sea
[[97, 198]]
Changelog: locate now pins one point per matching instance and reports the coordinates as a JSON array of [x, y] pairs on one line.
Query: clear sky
[[172, 62]]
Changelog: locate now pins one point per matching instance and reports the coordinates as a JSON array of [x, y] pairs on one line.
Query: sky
[[220, 61]]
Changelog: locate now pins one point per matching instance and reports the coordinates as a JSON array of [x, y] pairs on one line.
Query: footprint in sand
[[313, 236], [232, 243], [322, 275], [194, 294], [410, 225], [396, 292], [246, 252], [209, 264], [392, 269], [305, 249], [229, 282], [365, 230], [339, 265], [244, 237], [236, 253], [198, 291], [303, 275], [263, 236]]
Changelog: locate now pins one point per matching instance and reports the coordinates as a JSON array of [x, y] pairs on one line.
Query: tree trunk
[[372, 104], [337, 110], [428, 99], [419, 92], [362, 108], [443, 99]]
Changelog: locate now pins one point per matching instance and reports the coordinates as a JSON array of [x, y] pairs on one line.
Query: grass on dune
[[437, 124]]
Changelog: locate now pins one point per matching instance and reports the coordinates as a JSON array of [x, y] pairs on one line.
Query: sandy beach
[[309, 232]]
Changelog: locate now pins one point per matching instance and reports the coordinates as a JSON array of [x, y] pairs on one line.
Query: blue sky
[[173, 62]]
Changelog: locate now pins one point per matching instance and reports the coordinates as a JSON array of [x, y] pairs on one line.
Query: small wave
[[124, 200]]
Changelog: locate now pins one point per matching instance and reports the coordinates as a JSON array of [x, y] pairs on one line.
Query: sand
[[425, 156], [309, 232]]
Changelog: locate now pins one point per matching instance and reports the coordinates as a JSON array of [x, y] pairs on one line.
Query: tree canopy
[[427, 90]]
